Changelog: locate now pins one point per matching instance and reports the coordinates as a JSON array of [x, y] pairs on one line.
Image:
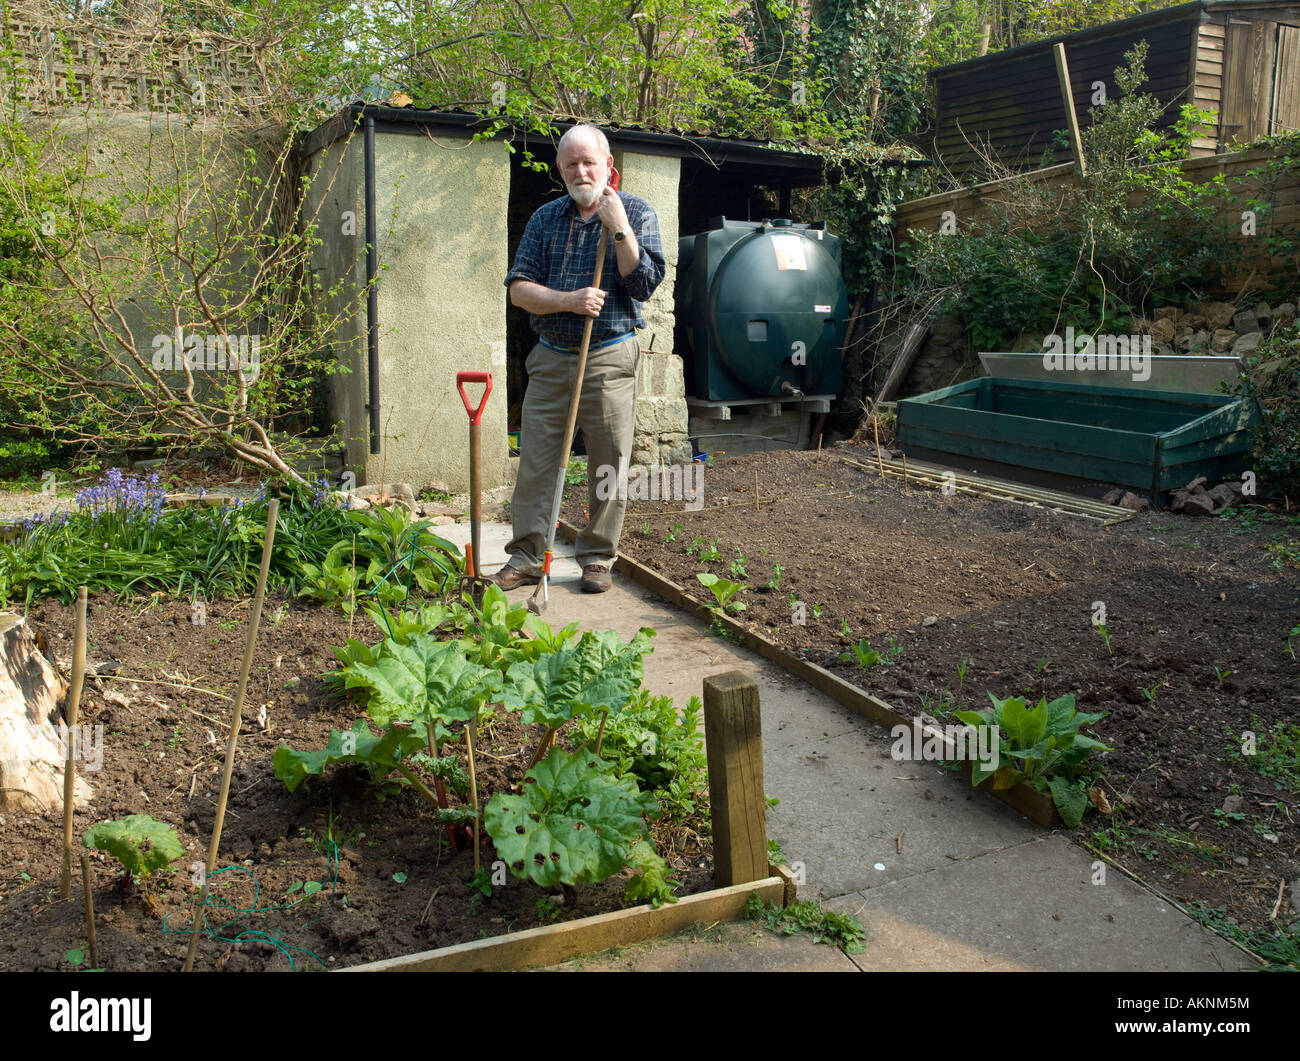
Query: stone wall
[[661, 418]]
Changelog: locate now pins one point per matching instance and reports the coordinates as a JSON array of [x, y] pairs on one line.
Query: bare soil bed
[[1197, 614], [395, 886]]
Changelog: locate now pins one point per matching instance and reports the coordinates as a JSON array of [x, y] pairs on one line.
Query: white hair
[[602, 142]]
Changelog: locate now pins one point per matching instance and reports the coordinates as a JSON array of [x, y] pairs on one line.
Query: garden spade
[[474, 582], [540, 598]]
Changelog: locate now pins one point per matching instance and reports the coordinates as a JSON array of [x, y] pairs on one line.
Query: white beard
[[587, 195]]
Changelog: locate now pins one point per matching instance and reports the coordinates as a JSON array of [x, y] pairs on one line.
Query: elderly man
[[551, 279]]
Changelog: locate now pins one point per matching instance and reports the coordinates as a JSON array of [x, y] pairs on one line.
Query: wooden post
[[1072, 118], [733, 735]]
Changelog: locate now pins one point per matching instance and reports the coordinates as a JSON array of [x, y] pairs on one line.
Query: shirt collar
[[571, 210]]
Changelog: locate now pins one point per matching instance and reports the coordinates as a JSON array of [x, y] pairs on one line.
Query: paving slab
[[845, 803], [1032, 907]]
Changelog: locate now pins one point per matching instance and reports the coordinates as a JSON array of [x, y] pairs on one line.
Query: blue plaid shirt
[[558, 250]]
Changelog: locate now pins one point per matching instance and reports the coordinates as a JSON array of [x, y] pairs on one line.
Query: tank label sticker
[[789, 252], [821, 309]]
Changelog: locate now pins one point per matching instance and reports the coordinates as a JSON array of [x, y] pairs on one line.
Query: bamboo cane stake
[[236, 714], [72, 708], [90, 910]]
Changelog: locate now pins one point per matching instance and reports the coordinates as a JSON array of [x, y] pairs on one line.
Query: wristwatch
[[620, 235]]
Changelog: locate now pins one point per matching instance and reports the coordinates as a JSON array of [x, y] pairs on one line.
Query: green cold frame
[[1153, 441]]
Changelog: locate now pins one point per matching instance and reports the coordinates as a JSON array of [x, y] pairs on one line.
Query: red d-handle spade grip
[[475, 415]]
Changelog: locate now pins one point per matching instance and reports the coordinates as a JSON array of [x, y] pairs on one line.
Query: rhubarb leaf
[[572, 822]]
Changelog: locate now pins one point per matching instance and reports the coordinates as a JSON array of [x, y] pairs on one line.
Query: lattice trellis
[[111, 68]]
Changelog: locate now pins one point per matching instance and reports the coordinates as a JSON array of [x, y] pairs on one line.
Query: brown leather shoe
[[595, 579], [509, 578]]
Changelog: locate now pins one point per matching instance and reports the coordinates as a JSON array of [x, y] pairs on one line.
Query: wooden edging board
[[1035, 805], [553, 944]]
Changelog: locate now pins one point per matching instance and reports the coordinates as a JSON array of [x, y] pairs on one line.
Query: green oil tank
[[762, 310]]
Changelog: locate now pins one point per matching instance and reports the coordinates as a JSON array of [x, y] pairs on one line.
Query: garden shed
[[1235, 58], [448, 212]]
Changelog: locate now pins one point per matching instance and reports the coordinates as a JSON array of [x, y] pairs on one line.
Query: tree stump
[[32, 738]]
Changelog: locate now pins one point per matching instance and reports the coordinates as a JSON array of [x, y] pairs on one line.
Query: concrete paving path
[[975, 885]]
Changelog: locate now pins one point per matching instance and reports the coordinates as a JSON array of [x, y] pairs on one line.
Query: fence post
[[734, 738]]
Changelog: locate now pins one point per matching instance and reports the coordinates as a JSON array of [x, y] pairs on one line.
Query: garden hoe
[[474, 582], [540, 598]]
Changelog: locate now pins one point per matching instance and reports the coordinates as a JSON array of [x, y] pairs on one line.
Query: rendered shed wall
[[442, 250]]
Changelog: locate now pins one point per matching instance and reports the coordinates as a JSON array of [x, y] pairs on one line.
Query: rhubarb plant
[[142, 844], [393, 751], [541, 641], [380, 755], [573, 822], [600, 673], [423, 679]]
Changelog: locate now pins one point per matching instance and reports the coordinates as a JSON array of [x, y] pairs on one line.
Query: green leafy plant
[[1101, 631], [422, 680], [866, 656], [480, 885], [774, 582], [724, 592], [1041, 745], [599, 674], [1277, 753], [672, 532], [1277, 944], [571, 822], [738, 566], [665, 753], [710, 552], [825, 926], [381, 755], [1133, 234], [576, 473], [142, 844]]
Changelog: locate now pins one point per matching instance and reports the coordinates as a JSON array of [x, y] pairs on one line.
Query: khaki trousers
[[607, 417]]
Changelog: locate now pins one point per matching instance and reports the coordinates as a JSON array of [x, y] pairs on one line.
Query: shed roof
[[740, 157]]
